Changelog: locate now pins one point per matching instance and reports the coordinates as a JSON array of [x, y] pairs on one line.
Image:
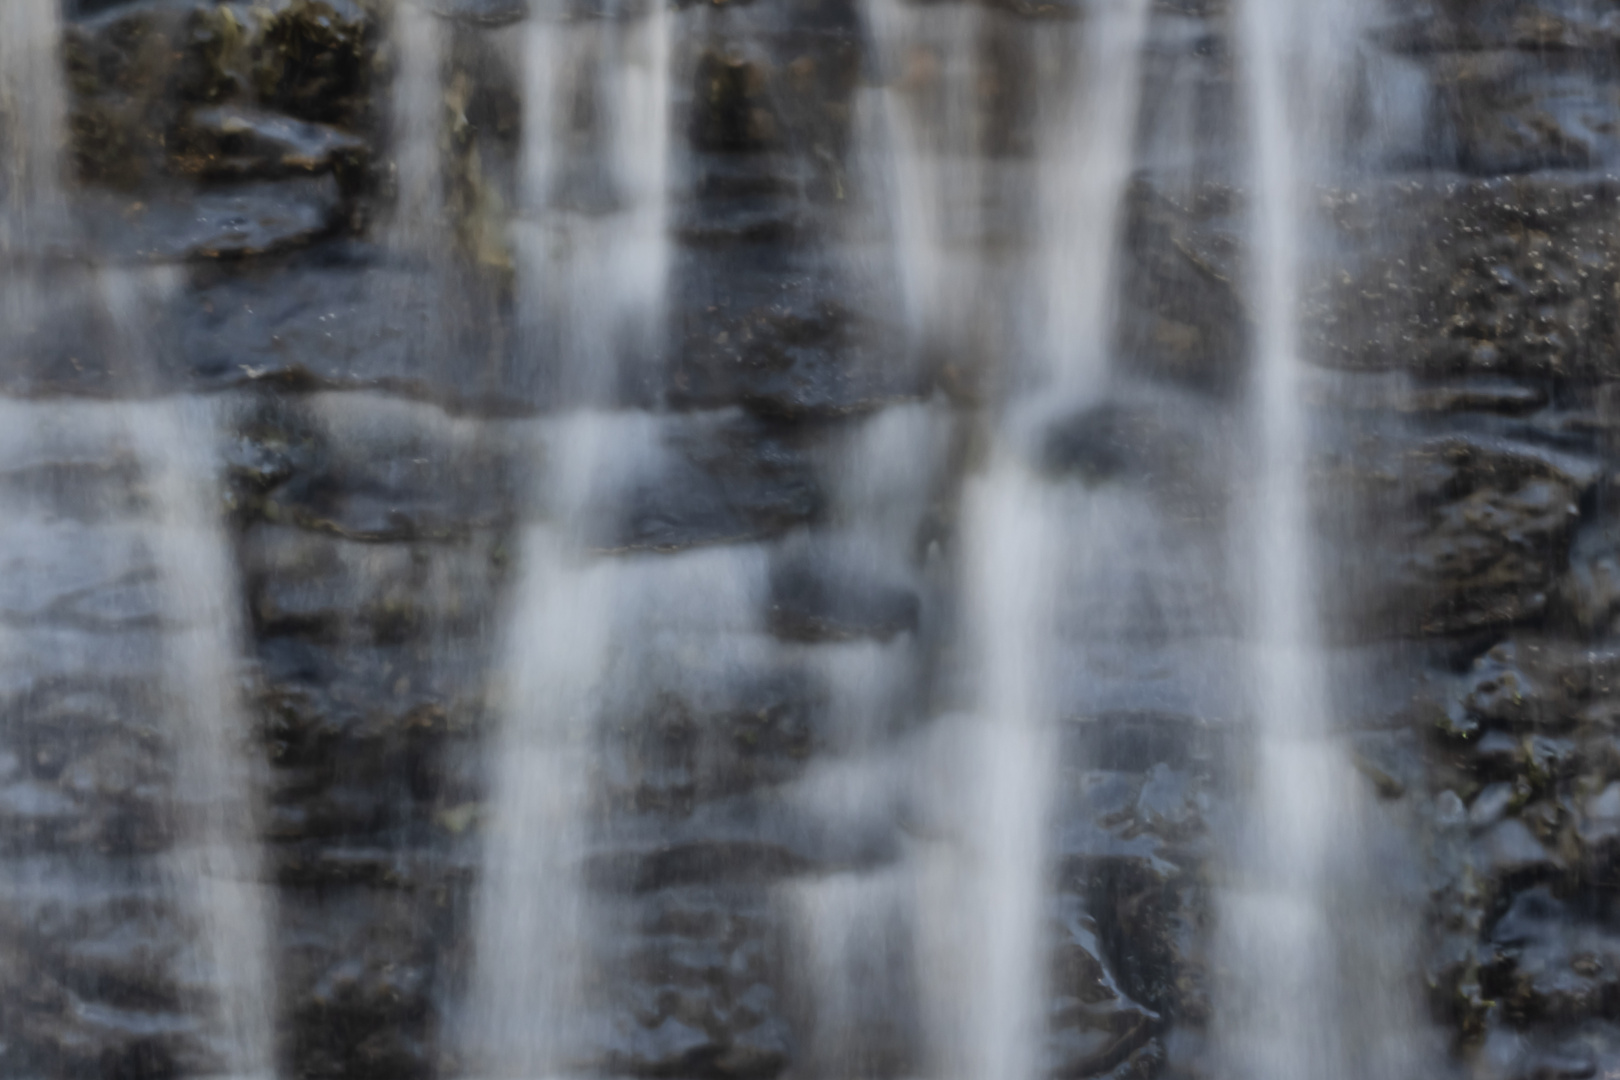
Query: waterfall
[[983, 900], [416, 130], [922, 132], [853, 927], [592, 263], [1016, 563], [212, 872], [1305, 990], [33, 121], [217, 867], [1087, 129], [169, 551]]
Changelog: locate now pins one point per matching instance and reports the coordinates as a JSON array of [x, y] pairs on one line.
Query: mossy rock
[[315, 61], [136, 74]]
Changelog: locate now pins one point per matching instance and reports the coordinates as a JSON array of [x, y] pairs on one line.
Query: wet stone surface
[[385, 447]]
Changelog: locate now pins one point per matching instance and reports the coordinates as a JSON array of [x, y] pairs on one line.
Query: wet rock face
[[386, 434], [147, 81], [1506, 276]]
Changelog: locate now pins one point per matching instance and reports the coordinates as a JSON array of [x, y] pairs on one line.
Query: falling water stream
[[1306, 989], [592, 260], [216, 867], [33, 119], [983, 900], [418, 110], [969, 717], [1016, 559], [212, 873]]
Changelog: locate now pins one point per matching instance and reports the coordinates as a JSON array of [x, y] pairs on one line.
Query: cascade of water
[[923, 128], [33, 120], [592, 262], [1087, 128], [1301, 1004], [167, 549], [213, 868], [417, 129], [33, 123], [984, 902], [1014, 521], [595, 169], [853, 927], [216, 865]]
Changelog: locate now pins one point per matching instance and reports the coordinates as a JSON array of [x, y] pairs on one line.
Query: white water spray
[[217, 865], [33, 122], [592, 256], [214, 868], [982, 924], [417, 129], [1297, 1001]]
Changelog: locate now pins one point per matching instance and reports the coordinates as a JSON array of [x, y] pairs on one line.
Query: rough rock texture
[[385, 426]]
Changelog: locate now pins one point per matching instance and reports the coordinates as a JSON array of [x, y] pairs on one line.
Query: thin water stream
[[417, 224], [217, 869], [983, 900], [592, 261], [1309, 987], [1052, 516], [212, 876], [33, 121]]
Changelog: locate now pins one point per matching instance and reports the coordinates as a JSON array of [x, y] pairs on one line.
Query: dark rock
[[1487, 533], [1492, 804], [329, 588], [1590, 592], [695, 990], [1552, 25], [811, 602], [744, 839], [235, 142], [1183, 313], [1161, 445], [1510, 851], [481, 12], [1533, 683], [1513, 112], [1168, 805], [135, 69], [358, 966], [730, 112], [1500, 277], [742, 730], [1392, 760], [1095, 1024], [1512, 1056], [342, 316], [1552, 964], [669, 1047], [1096, 445], [217, 223], [315, 59], [1597, 831], [728, 478], [767, 326], [1476, 395], [388, 471]]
